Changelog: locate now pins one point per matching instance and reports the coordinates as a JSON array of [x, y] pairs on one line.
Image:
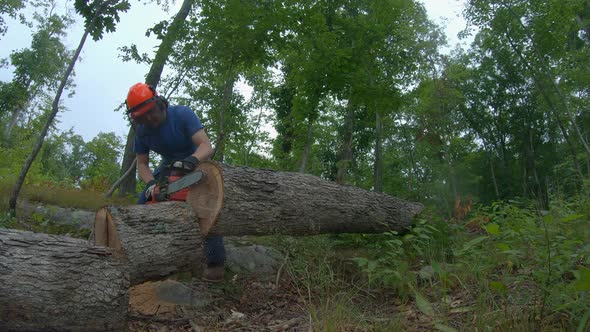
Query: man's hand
[[150, 189], [188, 164]]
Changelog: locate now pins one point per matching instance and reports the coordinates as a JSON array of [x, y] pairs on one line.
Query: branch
[[118, 182]]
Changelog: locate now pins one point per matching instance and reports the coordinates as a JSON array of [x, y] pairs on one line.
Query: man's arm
[[143, 168], [204, 150]]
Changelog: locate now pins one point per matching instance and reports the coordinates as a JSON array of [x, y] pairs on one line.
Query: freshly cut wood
[[154, 249], [206, 197], [57, 283], [164, 238]]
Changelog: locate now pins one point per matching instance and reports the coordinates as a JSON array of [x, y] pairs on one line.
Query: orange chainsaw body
[[177, 196]]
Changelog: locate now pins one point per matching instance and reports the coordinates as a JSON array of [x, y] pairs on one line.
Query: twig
[[118, 182], [280, 270], [153, 319]]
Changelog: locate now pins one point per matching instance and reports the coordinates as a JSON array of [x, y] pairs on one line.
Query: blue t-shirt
[[173, 139]]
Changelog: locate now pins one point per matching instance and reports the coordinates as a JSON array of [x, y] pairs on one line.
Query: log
[[264, 202], [164, 238], [154, 250], [57, 283]]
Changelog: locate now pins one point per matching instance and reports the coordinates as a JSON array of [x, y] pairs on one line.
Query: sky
[[103, 79]]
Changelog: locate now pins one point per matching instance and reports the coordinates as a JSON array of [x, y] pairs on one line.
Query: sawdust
[[241, 304], [144, 300]]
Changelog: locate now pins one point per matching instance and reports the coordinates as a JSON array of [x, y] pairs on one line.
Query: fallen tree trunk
[[58, 283], [164, 238], [264, 202]]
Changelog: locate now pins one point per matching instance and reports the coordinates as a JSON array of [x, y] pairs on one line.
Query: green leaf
[[467, 246], [583, 281], [424, 306], [572, 217], [583, 321], [492, 228], [498, 286], [503, 246], [371, 266], [361, 261]]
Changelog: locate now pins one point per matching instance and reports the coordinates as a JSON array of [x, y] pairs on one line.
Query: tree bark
[[165, 48], [122, 178], [493, 173], [128, 183], [164, 238], [343, 165], [264, 202], [307, 148], [157, 245], [378, 167], [57, 283], [227, 94]]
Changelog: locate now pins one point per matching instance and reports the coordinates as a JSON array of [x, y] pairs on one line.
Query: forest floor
[[237, 305], [248, 304]]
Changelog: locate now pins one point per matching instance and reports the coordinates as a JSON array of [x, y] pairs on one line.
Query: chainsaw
[[173, 184]]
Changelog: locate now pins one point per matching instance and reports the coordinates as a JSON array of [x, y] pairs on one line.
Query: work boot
[[214, 273]]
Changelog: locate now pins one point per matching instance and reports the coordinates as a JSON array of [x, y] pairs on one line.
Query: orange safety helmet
[[140, 99]]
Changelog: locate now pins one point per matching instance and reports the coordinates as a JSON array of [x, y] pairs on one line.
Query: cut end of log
[[105, 232], [206, 197]]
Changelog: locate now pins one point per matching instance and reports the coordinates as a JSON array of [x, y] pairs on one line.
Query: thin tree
[[92, 26]]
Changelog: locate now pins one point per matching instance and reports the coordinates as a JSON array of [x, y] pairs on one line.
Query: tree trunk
[[128, 183], [264, 202], [345, 161], [57, 283], [165, 48], [256, 202], [378, 167], [307, 148], [153, 78], [493, 173], [122, 178], [228, 89], [17, 111], [13, 119]]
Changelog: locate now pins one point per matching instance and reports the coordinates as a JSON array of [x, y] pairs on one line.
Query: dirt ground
[[239, 304]]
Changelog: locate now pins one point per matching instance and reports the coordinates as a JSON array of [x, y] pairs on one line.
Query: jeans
[[214, 249]]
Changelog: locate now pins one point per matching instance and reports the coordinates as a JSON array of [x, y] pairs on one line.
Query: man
[[175, 133]]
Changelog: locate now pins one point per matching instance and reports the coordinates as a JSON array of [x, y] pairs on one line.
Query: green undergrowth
[[52, 194], [37, 223], [506, 267]]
